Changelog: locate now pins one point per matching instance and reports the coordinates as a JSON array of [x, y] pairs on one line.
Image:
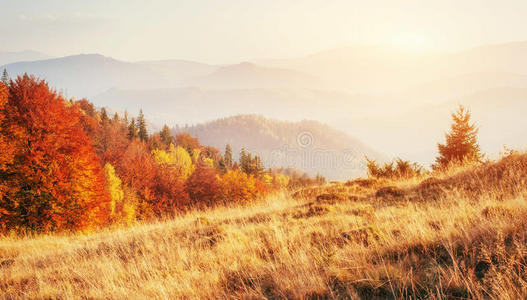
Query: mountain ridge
[[306, 145]]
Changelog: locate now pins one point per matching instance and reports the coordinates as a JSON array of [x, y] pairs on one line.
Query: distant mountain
[[86, 75], [249, 75], [383, 96], [309, 146], [446, 89], [179, 69], [196, 105], [380, 69], [27, 55]]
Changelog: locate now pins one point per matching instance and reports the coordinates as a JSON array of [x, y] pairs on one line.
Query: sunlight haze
[[229, 31]]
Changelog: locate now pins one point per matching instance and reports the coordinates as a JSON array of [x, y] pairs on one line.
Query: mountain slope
[[196, 105], [19, 56], [179, 69], [453, 236], [86, 75], [248, 75], [309, 146]]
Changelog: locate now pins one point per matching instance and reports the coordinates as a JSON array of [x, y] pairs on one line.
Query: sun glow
[[411, 42]]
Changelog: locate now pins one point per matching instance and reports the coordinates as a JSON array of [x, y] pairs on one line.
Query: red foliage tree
[[212, 153], [187, 141], [7, 151], [109, 137], [57, 178], [137, 169], [170, 193], [203, 186]]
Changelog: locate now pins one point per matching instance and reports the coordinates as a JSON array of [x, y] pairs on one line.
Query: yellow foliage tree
[[280, 181], [208, 162], [237, 186], [121, 211], [267, 179], [196, 154], [176, 158]]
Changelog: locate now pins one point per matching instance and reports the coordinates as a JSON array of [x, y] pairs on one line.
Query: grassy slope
[[460, 235]]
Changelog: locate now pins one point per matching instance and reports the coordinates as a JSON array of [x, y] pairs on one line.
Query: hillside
[[309, 146], [19, 56], [179, 69], [86, 75], [194, 105], [457, 235], [248, 75]]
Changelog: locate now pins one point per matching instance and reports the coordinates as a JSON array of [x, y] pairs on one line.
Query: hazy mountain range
[[398, 102], [18, 56], [309, 146]]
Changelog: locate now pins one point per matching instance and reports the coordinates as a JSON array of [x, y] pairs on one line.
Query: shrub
[[394, 170], [238, 187]]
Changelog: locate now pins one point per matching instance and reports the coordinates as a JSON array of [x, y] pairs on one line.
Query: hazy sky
[[222, 31]]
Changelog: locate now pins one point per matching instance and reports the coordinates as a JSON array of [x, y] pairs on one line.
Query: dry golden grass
[[462, 234]]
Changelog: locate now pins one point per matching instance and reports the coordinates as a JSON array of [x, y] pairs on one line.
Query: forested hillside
[[309, 146], [66, 166]]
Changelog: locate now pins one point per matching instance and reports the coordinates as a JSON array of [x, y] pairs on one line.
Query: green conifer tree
[[5, 77], [132, 130], [166, 136], [227, 158], [141, 124]]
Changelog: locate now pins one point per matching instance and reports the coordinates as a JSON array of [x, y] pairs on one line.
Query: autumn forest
[[67, 166]]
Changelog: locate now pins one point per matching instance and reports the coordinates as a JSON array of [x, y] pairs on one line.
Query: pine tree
[[257, 168], [132, 130], [5, 77], [227, 158], [125, 118], [141, 124], [461, 142], [243, 160], [166, 136], [104, 116], [222, 166]]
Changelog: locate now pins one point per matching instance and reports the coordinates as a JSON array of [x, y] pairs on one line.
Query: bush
[[238, 187], [394, 170]]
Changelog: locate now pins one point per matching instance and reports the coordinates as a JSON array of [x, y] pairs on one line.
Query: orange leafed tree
[[187, 141], [170, 193], [138, 170], [7, 151], [238, 187], [203, 186], [56, 178]]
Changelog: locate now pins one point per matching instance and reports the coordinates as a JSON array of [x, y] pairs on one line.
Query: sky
[[228, 31]]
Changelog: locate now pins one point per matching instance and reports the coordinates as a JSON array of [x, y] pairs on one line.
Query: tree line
[[66, 165]]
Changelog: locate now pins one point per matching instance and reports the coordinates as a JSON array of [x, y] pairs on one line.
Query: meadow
[[459, 233]]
